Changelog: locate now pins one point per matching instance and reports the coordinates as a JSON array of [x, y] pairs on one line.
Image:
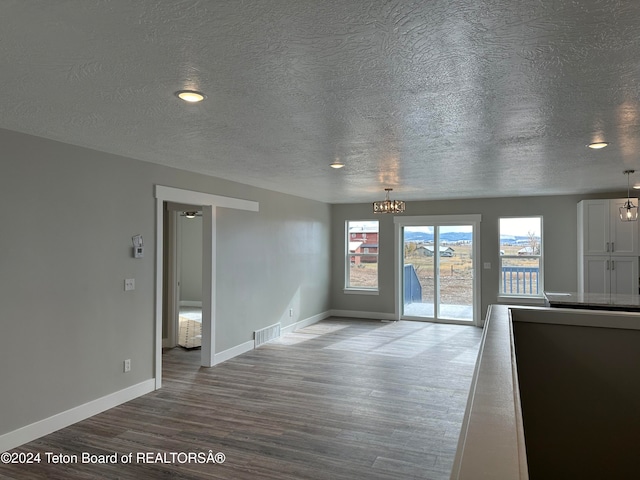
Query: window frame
[[539, 295], [362, 290]]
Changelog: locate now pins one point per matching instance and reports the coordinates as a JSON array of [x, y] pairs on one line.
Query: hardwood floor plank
[[341, 399]]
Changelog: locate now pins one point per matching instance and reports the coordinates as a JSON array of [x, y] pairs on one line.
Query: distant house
[[528, 251], [364, 235], [363, 240], [428, 250]]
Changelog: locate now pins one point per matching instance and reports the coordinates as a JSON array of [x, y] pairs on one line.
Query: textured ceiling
[[436, 99]]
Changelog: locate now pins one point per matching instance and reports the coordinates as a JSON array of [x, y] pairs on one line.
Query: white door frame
[[209, 203], [437, 220], [173, 270]]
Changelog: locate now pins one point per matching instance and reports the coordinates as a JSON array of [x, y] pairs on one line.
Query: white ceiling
[[436, 99]]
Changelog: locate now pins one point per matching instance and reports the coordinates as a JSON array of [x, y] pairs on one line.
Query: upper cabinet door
[[623, 236], [603, 233], [594, 215]]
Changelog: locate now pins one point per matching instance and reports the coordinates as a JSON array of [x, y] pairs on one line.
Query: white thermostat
[[138, 246]]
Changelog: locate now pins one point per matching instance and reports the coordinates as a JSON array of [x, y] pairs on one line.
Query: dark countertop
[[593, 301]]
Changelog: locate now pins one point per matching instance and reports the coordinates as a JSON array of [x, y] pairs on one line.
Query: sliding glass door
[[438, 276]]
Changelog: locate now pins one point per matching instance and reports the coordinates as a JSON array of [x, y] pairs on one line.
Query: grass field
[[456, 272]]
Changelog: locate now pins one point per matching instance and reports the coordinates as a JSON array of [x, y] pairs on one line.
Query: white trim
[[540, 257], [360, 291], [347, 256], [232, 352], [250, 345], [159, 291], [44, 427], [178, 195], [209, 287], [360, 314], [305, 323], [438, 220], [208, 202]]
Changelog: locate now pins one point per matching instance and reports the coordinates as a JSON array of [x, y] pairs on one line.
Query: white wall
[[67, 217]]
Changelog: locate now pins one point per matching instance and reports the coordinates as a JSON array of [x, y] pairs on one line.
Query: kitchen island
[[593, 301]]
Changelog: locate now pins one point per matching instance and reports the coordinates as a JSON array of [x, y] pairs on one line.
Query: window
[[521, 256], [361, 255]]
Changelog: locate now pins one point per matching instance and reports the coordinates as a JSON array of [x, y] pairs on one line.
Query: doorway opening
[[182, 276], [208, 203]]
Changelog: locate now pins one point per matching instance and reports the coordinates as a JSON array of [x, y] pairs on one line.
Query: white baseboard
[[359, 314], [306, 322], [69, 417], [61, 420], [250, 345], [232, 352]]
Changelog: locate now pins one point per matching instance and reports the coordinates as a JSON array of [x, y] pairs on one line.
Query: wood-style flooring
[[342, 399]]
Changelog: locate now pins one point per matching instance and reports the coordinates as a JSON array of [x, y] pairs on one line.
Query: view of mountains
[[452, 237], [428, 237]]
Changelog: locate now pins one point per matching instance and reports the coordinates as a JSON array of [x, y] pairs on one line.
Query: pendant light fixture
[[629, 211], [388, 206]]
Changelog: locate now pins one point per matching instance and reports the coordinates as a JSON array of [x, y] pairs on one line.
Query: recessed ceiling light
[[336, 164], [598, 145], [191, 96]]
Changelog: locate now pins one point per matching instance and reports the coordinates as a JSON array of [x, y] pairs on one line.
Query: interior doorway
[[209, 203], [182, 276]]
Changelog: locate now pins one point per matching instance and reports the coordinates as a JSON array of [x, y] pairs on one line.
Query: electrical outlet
[[127, 365], [129, 284]]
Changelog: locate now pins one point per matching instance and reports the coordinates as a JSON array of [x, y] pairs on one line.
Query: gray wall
[[559, 230], [190, 245], [67, 216], [580, 399]]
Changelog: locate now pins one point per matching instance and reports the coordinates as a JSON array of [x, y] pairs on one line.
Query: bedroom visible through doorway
[[189, 278], [183, 276]]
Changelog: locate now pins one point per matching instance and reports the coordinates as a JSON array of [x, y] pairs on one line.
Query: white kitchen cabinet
[[609, 274], [607, 248], [602, 230]]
